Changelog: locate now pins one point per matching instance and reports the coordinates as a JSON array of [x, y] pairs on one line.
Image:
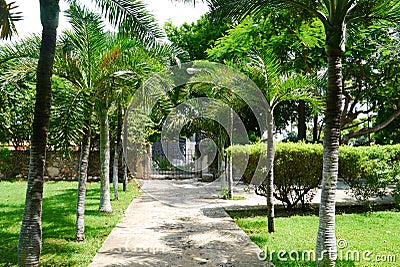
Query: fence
[[172, 160]]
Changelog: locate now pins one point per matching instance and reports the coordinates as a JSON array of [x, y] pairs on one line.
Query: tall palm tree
[[94, 60], [8, 16], [277, 87], [110, 67], [30, 238], [87, 55], [135, 15], [339, 17]]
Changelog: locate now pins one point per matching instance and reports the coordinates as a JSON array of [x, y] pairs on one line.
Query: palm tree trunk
[[302, 127], [270, 175], [326, 241], [83, 171], [105, 202], [30, 238], [124, 164], [125, 174], [115, 171], [229, 159], [315, 129], [117, 153]]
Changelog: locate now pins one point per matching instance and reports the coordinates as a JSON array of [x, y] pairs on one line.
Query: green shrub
[[297, 169], [369, 171], [242, 153], [297, 172]]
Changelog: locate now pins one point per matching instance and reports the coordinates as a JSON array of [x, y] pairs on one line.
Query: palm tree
[[131, 12], [91, 61], [338, 18], [30, 239], [277, 87], [110, 67], [7, 18]]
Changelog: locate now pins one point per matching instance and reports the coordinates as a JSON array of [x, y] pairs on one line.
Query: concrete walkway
[[183, 223]]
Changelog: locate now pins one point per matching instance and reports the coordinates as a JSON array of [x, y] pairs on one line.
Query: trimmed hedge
[[297, 169], [369, 171]]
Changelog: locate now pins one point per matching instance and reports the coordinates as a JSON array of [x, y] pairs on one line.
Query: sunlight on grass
[[59, 245], [376, 233]]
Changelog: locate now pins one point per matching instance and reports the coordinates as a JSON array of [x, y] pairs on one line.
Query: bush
[[369, 171], [297, 169], [251, 152], [298, 172]]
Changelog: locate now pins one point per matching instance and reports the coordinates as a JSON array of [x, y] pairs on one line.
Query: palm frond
[[26, 48], [84, 43], [297, 87], [8, 16], [70, 110], [18, 71], [239, 9], [170, 53], [134, 17], [18, 60], [379, 10]]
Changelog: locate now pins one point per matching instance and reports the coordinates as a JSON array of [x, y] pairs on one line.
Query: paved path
[[183, 223], [178, 223]]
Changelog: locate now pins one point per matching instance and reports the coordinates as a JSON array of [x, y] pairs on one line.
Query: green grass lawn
[[377, 234], [59, 203]]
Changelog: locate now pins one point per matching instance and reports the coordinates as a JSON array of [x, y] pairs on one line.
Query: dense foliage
[[369, 171], [197, 37]]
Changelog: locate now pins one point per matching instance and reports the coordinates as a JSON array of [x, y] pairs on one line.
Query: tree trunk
[[125, 174], [30, 238], [326, 240], [105, 202], [117, 153], [270, 174], [120, 128], [302, 127], [229, 166], [83, 171], [125, 151], [115, 171], [315, 129], [376, 128]]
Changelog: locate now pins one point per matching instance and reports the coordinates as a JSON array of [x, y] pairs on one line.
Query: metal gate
[[173, 160]]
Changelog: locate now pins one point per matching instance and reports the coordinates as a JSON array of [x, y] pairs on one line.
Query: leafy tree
[[339, 18], [294, 40], [371, 82], [197, 37]]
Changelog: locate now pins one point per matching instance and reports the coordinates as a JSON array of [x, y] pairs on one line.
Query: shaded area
[[58, 223], [310, 211], [181, 223]]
